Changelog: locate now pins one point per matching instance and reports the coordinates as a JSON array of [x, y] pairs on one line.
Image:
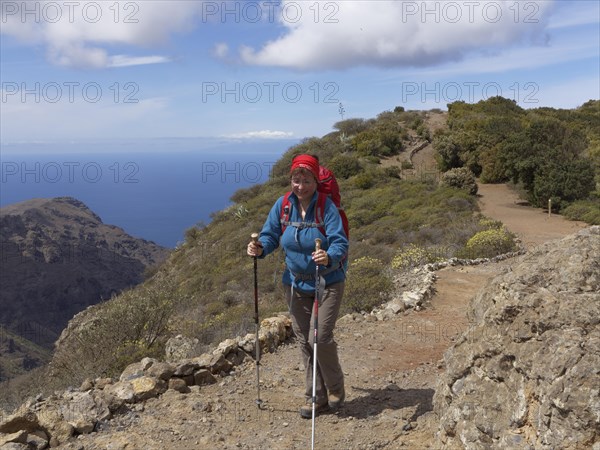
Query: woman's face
[[304, 185]]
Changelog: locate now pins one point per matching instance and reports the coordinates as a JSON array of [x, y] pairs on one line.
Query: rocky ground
[[392, 368]]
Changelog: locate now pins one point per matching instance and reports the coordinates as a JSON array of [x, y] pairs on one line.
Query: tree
[[351, 127]]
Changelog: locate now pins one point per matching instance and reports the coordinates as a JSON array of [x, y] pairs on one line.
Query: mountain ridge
[[58, 257]]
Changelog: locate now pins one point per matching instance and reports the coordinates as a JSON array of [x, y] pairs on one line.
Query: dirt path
[[391, 371], [533, 226]]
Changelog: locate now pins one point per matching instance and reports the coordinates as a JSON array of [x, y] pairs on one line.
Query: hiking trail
[[391, 369]]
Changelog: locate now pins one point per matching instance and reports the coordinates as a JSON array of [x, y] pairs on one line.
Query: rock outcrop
[[56, 259], [52, 421], [526, 374]]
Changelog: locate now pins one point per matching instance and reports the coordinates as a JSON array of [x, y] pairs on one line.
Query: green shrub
[[392, 172], [488, 243], [364, 180], [414, 255], [488, 224], [461, 178], [111, 335], [368, 285], [344, 166], [584, 210]]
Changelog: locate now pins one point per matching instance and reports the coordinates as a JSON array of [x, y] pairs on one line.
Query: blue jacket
[[299, 243]]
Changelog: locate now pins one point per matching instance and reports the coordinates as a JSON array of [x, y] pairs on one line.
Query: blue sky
[[136, 70]]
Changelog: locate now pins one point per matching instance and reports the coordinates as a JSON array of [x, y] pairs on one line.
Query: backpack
[[328, 187]]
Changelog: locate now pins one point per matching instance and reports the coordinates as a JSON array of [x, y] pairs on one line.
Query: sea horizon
[[154, 195]]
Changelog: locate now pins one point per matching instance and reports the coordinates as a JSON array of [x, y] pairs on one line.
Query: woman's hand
[[321, 258], [255, 248]]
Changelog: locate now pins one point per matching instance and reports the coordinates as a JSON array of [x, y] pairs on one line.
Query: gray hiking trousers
[[330, 377]]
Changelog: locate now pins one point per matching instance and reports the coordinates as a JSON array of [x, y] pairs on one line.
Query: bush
[[461, 178], [111, 335], [488, 243], [367, 285], [392, 172], [344, 166], [413, 256], [351, 127], [364, 181], [585, 210]]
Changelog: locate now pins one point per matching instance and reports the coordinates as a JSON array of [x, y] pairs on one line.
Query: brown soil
[[391, 370]]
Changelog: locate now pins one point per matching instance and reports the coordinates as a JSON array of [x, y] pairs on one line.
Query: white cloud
[[398, 33], [78, 34], [262, 134], [221, 50], [125, 60]]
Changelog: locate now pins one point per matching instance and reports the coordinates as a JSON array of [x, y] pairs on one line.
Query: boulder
[[122, 390], [247, 343], [203, 361], [22, 419], [161, 370], [179, 385], [227, 346], [38, 440], [525, 373], [14, 446], [181, 347], [137, 370], [147, 387], [19, 437], [204, 376], [236, 357], [186, 367], [219, 364]]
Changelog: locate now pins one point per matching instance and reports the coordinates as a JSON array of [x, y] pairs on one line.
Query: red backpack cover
[[328, 186]]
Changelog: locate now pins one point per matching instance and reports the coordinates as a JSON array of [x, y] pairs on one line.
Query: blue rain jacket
[[299, 243]]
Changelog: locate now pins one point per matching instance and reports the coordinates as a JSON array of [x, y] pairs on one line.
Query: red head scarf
[[307, 162]]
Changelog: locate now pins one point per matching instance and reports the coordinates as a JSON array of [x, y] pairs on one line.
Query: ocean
[[155, 194]]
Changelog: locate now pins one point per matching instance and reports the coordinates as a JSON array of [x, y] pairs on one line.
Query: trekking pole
[[316, 326], [254, 237]]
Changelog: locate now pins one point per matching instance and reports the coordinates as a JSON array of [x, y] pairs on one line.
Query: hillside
[[57, 259], [395, 375], [401, 216], [201, 290]]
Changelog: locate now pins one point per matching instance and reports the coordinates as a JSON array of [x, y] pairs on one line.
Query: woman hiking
[[295, 221]]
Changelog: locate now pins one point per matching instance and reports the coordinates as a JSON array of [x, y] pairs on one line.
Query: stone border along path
[[98, 402], [58, 418]]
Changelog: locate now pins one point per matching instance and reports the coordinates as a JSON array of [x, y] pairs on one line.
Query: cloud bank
[[80, 34], [263, 134], [340, 35]]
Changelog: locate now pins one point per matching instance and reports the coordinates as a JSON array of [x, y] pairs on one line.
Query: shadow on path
[[392, 397]]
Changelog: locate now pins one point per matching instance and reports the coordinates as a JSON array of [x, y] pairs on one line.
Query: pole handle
[[254, 237], [317, 244]]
